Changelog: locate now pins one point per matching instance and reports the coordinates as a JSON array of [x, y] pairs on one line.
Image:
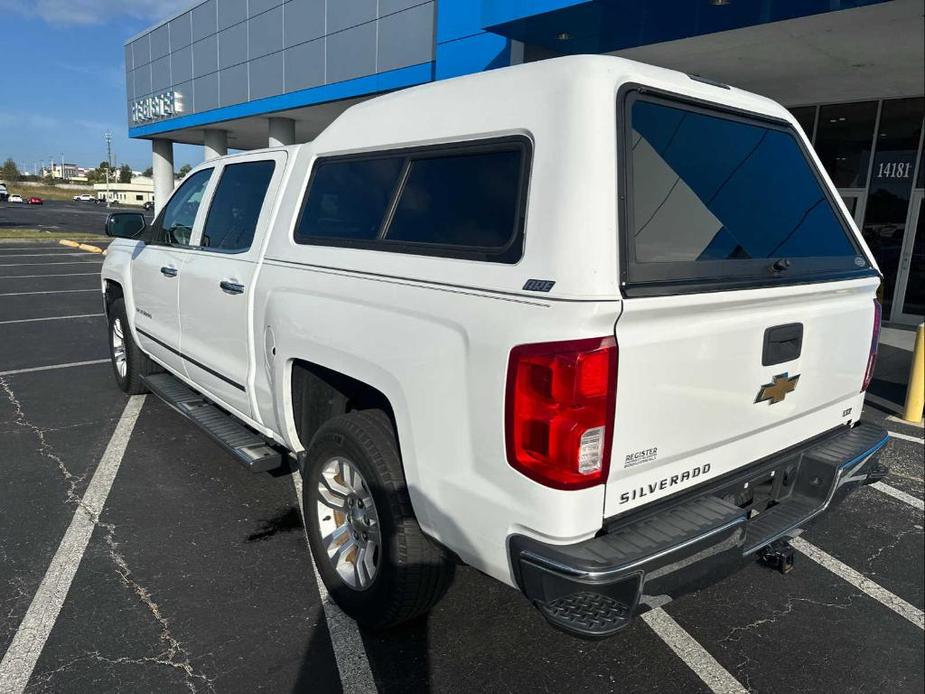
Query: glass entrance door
[[854, 201], [909, 299]]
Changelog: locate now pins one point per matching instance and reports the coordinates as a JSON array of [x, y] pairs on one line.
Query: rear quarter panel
[[439, 354]]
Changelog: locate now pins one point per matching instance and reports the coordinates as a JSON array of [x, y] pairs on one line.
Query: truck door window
[[174, 224], [236, 206]]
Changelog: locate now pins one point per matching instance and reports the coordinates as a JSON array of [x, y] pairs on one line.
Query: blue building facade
[[245, 74]]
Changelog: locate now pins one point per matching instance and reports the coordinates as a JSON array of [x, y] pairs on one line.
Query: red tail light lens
[[874, 343], [559, 411]]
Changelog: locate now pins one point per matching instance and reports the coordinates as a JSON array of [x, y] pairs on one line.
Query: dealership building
[[246, 74]]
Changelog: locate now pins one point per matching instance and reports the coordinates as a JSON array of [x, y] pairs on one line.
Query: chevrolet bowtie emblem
[[777, 390]]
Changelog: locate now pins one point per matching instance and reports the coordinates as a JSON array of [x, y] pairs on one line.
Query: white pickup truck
[[598, 329]]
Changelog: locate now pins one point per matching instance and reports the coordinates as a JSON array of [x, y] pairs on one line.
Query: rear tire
[[129, 363], [408, 573]]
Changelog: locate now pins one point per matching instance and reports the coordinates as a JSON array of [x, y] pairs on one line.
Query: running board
[[250, 449]]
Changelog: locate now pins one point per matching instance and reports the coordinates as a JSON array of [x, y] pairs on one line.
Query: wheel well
[[319, 393], [113, 292]]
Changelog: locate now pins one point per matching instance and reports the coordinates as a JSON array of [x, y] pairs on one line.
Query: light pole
[[108, 163]]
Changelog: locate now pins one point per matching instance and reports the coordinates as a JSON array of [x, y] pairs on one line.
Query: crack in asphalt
[[896, 540], [173, 647], [175, 655], [788, 609], [45, 449]]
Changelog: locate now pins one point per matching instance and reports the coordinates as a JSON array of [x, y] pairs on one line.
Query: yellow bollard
[[915, 394]]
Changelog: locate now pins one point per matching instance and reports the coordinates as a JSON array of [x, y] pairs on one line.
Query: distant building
[[136, 193], [64, 171]]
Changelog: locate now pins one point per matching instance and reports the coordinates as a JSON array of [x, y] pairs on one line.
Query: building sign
[[155, 107]]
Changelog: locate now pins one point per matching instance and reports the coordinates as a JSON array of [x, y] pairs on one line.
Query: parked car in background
[[148, 205], [15, 197], [76, 198], [604, 348], [4, 194], [86, 197], [33, 200]]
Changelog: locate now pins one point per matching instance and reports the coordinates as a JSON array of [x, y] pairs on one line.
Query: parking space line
[[91, 259], [36, 255], [34, 320], [349, 650], [861, 582], [52, 367], [24, 651], [54, 291], [906, 437], [899, 495], [695, 656], [66, 274]]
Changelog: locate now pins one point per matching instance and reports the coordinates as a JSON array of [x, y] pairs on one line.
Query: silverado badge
[[777, 390]]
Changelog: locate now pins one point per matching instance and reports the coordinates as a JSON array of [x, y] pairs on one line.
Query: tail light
[[874, 343], [560, 410]]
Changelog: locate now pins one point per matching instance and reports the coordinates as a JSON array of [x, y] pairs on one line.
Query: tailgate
[[694, 400], [748, 297]]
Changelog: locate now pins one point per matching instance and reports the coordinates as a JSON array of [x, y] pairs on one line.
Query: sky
[[62, 80]]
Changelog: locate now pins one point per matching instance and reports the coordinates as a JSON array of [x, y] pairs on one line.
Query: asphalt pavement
[[58, 215], [195, 576]]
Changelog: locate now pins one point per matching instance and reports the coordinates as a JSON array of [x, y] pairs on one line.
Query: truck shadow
[[399, 658]]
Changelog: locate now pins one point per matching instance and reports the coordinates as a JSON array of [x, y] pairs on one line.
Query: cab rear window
[[721, 199]]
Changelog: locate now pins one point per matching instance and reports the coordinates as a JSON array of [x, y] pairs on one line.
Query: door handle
[[169, 271], [231, 287]]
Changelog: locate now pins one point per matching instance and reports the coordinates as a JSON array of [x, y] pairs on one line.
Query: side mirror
[[125, 225]]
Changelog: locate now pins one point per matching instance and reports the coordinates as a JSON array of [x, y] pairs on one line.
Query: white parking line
[[906, 437], [861, 582], [91, 258], [900, 420], [26, 647], [695, 656], [52, 367], [63, 274], [36, 255], [899, 495], [56, 291], [349, 651], [34, 320]]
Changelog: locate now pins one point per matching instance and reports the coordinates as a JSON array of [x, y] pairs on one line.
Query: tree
[[125, 174], [184, 170], [149, 172], [9, 171]]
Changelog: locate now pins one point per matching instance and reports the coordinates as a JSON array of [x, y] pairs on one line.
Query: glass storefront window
[[843, 139], [806, 117], [920, 183], [891, 185]]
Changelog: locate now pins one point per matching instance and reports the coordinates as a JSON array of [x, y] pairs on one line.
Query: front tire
[[129, 363], [372, 556]]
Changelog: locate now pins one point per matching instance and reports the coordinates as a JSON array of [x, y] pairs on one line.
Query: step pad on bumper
[[250, 449], [610, 565]]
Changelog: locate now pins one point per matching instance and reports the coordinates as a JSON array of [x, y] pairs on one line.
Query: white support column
[[215, 144], [281, 132], [162, 165]]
